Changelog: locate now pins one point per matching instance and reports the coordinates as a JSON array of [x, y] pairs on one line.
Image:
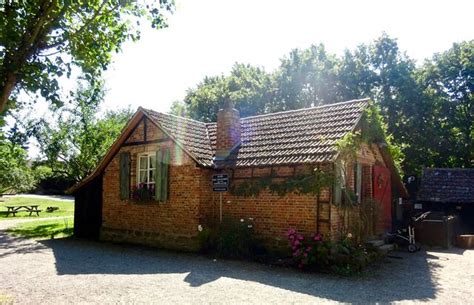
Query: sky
[[207, 37]]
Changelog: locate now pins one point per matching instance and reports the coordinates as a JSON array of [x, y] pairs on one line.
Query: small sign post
[[220, 183]]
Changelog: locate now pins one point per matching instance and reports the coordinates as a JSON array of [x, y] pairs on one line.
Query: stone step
[[376, 242], [384, 249]]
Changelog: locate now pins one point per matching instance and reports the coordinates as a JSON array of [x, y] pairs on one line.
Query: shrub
[[234, 239], [49, 182], [309, 252], [342, 257], [231, 239]]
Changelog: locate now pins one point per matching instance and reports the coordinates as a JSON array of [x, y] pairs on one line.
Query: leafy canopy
[[78, 139], [43, 40], [428, 110]]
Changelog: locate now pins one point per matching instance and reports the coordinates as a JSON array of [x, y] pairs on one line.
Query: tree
[[306, 78], [355, 78], [42, 40], [389, 77], [249, 88], [428, 110], [79, 139], [448, 80], [15, 175]]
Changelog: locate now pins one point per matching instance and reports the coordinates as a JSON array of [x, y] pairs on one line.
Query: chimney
[[228, 131]]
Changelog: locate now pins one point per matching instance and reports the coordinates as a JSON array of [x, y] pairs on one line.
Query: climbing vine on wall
[[309, 183]]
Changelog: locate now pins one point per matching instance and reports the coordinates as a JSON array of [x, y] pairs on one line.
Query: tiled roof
[[306, 135], [299, 136], [191, 134], [447, 185]]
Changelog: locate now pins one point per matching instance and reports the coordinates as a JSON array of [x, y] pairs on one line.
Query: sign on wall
[[220, 183]]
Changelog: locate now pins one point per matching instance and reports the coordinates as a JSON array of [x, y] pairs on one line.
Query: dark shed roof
[[447, 185]]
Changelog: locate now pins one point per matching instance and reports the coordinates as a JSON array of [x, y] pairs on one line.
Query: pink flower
[[291, 232], [309, 248], [297, 242], [317, 237], [300, 237]]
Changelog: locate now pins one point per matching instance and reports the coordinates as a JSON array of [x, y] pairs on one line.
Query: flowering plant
[[308, 252], [143, 192]]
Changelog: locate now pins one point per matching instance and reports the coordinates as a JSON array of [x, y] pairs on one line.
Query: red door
[[383, 194]]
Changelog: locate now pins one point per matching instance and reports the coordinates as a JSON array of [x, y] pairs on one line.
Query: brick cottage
[[175, 158]]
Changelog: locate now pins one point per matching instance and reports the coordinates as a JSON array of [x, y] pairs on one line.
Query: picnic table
[[13, 209]]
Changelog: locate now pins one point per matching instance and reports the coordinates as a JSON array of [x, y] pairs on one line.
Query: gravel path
[[49, 197], [68, 271]]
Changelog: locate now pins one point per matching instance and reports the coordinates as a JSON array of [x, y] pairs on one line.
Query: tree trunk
[[6, 90], [16, 57]]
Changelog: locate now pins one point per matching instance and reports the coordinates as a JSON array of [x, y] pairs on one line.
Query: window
[[146, 167]]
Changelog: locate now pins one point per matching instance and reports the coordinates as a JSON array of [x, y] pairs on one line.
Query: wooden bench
[[8, 212], [22, 208]]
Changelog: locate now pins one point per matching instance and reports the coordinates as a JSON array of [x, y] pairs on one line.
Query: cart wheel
[[412, 248]]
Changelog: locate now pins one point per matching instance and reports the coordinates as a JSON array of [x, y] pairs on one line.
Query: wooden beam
[[144, 128], [146, 142]]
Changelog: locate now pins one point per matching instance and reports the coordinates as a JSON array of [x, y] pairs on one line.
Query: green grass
[[44, 229], [66, 208]]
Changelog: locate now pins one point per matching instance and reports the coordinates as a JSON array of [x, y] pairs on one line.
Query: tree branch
[[86, 24]]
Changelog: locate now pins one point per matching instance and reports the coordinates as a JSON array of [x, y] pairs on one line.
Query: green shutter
[[124, 175], [161, 178], [158, 175], [164, 176]]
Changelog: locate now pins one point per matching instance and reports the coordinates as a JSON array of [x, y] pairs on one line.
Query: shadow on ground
[[403, 277], [10, 245]]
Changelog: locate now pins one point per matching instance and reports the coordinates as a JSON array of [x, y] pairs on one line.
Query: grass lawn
[[66, 208], [44, 228]]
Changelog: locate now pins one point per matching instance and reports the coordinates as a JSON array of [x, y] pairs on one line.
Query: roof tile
[[289, 137], [448, 185]]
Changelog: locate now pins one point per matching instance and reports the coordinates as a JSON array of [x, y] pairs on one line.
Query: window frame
[[150, 167]]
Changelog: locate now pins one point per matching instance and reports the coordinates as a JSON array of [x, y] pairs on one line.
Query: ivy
[[373, 130], [377, 132], [309, 183]]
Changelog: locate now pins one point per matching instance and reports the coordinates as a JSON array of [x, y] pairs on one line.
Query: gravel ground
[[68, 271]]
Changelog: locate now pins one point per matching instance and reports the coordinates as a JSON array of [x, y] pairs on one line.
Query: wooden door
[[383, 194]]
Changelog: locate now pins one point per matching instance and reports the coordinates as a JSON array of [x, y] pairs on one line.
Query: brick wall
[[272, 215], [172, 224], [138, 134]]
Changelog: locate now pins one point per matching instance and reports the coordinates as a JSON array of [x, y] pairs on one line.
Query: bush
[[231, 239], [309, 252], [53, 184], [342, 257]]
